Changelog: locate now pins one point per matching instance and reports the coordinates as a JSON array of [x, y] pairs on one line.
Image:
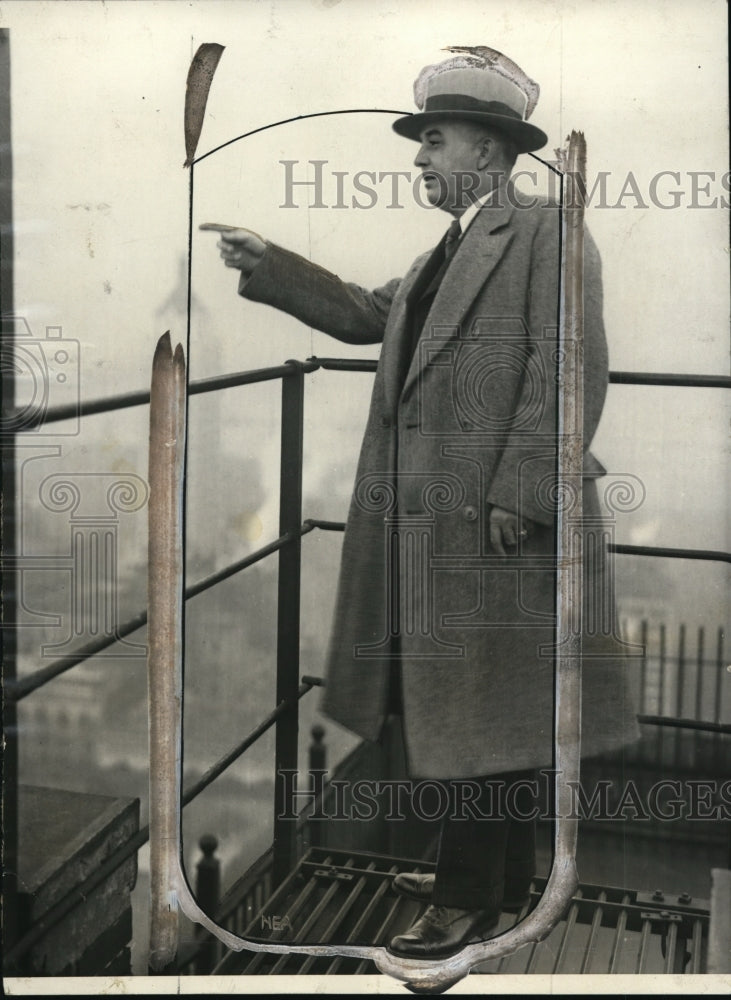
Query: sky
[[101, 220]]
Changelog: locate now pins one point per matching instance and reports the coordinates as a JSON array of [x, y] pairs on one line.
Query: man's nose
[[421, 159]]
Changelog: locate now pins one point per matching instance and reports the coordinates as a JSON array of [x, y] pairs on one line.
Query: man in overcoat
[[445, 605]]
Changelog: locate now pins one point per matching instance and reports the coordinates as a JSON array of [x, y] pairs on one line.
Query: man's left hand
[[506, 528]]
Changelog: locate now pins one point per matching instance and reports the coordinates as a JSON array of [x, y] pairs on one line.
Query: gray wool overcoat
[[466, 422]]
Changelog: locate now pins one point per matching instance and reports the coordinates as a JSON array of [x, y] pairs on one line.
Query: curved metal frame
[[170, 889]]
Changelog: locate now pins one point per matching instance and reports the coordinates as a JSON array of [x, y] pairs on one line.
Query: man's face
[[448, 159]]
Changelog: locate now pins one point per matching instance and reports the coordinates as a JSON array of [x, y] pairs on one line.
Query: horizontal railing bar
[[108, 404], [344, 364], [699, 725], [80, 893], [216, 382], [325, 525], [669, 378], [19, 689], [128, 399], [228, 571], [712, 555], [233, 755]]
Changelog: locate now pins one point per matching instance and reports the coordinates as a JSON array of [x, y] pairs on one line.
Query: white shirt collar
[[469, 213]]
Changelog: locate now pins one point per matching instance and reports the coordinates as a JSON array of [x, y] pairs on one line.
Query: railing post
[[318, 770], [207, 894], [680, 736], [288, 620], [718, 744]]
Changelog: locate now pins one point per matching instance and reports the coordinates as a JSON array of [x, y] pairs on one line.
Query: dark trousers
[[482, 861], [487, 846]]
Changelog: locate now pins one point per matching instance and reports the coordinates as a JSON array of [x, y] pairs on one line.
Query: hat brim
[[527, 137]]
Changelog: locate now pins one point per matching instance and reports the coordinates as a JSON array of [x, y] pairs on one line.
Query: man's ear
[[485, 152]]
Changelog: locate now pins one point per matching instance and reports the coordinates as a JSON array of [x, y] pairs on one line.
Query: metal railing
[[290, 687]]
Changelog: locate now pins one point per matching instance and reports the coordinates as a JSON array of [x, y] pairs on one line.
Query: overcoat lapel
[[397, 338], [479, 253]]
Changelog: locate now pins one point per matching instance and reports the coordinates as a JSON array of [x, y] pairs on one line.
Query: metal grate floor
[[346, 897]]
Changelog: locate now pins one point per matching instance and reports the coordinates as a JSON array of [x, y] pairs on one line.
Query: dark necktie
[[450, 244]]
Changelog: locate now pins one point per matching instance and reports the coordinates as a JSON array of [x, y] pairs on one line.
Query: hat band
[[461, 102]]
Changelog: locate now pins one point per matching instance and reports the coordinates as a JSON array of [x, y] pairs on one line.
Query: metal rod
[[718, 758], [288, 619], [565, 938], [659, 742], [618, 938], [596, 922], [312, 917], [344, 364], [699, 677], [19, 689], [125, 400], [31, 682], [643, 681], [326, 525], [680, 685], [679, 380], [297, 904], [712, 555], [167, 436], [233, 755], [563, 879], [700, 726], [644, 941], [671, 943]]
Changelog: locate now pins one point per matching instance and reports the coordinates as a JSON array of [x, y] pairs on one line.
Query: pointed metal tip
[[163, 350]]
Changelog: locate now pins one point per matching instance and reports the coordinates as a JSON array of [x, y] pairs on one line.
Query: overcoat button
[[470, 513], [385, 422]]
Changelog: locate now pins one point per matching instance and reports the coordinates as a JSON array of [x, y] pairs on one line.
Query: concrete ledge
[[63, 838]]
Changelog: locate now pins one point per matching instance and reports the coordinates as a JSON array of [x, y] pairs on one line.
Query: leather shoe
[[443, 930], [421, 887]]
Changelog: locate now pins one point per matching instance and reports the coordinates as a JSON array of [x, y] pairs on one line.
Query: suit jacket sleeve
[[319, 298], [527, 466]]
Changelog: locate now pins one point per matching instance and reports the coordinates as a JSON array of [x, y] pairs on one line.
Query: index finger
[[229, 232]]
